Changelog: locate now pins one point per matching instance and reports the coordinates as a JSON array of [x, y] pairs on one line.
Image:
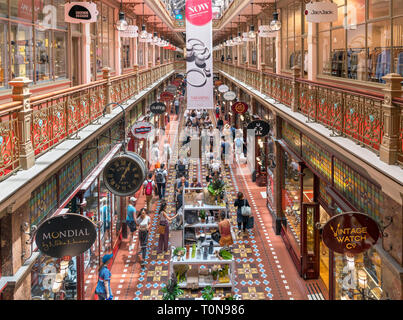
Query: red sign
[[350, 232], [176, 83], [218, 83], [198, 12], [239, 107], [166, 96]]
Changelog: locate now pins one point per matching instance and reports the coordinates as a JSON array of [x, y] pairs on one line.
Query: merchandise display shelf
[[201, 225]]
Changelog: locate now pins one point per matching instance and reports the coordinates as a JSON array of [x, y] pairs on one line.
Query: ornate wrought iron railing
[[354, 114], [46, 120]]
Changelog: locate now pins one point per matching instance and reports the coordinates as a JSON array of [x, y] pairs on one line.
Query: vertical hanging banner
[[199, 66]]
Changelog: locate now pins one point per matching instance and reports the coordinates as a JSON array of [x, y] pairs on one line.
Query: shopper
[[163, 228], [220, 123], [103, 288], [167, 151], [176, 103], [240, 219], [144, 223], [148, 189], [179, 191], [160, 178], [224, 227], [217, 111], [195, 183], [130, 216]]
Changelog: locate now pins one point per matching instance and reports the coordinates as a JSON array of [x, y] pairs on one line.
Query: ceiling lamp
[[121, 24], [238, 39], [275, 25], [252, 33], [143, 34], [155, 39]]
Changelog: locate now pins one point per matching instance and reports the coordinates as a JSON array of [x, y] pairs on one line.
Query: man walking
[[160, 179], [176, 103], [130, 217], [148, 189]]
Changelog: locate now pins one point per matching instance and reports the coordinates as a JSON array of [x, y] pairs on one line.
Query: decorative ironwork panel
[[317, 157], [307, 100], [78, 111], [9, 144], [43, 201], [291, 136], [69, 178], [359, 191], [97, 101], [330, 108], [286, 91]]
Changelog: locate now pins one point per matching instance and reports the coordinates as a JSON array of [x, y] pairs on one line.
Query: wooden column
[[296, 72], [106, 74]]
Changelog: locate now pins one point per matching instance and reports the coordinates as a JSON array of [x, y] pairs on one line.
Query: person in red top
[[225, 231]]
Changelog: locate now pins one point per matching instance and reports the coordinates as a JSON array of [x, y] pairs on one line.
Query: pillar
[[21, 92], [106, 75], [295, 75], [312, 52]]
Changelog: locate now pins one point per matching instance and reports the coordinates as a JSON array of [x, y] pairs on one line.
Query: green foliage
[[202, 214], [171, 290], [208, 293]]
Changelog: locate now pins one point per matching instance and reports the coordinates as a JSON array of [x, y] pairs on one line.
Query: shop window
[[105, 37], [42, 52], [21, 51], [324, 250], [4, 8], [125, 53], [355, 11], [243, 51], [291, 201], [60, 51], [107, 216], [3, 55], [253, 52], [378, 8], [358, 277], [398, 44], [111, 39], [397, 7], [141, 47], [54, 279]]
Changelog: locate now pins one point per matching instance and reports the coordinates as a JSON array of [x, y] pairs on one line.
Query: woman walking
[[241, 219], [103, 289], [144, 223], [225, 231], [163, 228]]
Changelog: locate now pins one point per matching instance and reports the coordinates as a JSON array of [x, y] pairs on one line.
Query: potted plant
[[208, 293], [214, 272], [171, 291], [202, 215]]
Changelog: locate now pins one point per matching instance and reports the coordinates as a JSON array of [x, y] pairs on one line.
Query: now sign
[[198, 12]]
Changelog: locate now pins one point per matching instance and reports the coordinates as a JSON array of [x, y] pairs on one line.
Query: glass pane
[[60, 45], [356, 53], [284, 23], [298, 22], [22, 9], [323, 26], [105, 37], [338, 53], [111, 40], [284, 54], [324, 56], [21, 51], [253, 52], [378, 8], [310, 230], [398, 44], [355, 12], [340, 16], [379, 42], [291, 55], [3, 54], [324, 251], [61, 24], [3, 8], [291, 200], [290, 21], [105, 215], [397, 7], [42, 52]]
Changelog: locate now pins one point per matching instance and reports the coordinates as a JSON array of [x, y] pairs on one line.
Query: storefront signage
[[229, 95], [261, 127], [142, 129], [124, 174], [130, 32], [321, 12], [264, 31], [350, 232], [80, 12], [223, 88], [68, 234], [218, 83], [166, 96], [158, 108], [239, 107]]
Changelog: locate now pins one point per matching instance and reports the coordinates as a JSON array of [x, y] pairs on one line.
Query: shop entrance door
[[310, 241], [76, 61]]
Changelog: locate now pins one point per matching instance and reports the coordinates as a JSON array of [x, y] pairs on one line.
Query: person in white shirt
[[144, 223], [167, 151], [160, 178], [148, 189]]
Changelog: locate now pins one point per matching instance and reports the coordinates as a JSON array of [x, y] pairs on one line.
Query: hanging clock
[[124, 174]]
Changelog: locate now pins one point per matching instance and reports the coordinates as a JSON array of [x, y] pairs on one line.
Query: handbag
[[216, 236], [246, 211], [162, 227]]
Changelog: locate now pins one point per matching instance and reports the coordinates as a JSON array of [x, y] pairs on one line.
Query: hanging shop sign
[[321, 12], [264, 31], [223, 88], [261, 127], [130, 32], [350, 232], [239, 107], [166, 96], [142, 129], [199, 60], [80, 12], [229, 95], [125, 173], [171, 88], [68, 234], [218, 83], [158, 108]]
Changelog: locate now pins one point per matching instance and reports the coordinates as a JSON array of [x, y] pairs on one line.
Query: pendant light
[[121, 24], [143, 34], [238, 39], [252, 33], [275, 25]]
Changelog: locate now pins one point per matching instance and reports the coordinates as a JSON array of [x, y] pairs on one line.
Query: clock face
[[123, 175]]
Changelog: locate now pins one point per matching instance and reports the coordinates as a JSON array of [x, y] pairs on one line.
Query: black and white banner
[[199, 66]]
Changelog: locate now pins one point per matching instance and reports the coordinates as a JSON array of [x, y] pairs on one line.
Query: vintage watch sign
[[142, 129], [68, 234], [158, 107], [321, 12], [166, 96], [261, 127], [171, 88], [223, 88], [229, 95], [239, 107], [80, 12], [350, 232], [124, 174]]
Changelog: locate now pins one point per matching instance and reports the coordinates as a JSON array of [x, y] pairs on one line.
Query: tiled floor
[[264, 269]]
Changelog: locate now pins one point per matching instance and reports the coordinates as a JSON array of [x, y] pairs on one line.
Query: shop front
[[315, 186]]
